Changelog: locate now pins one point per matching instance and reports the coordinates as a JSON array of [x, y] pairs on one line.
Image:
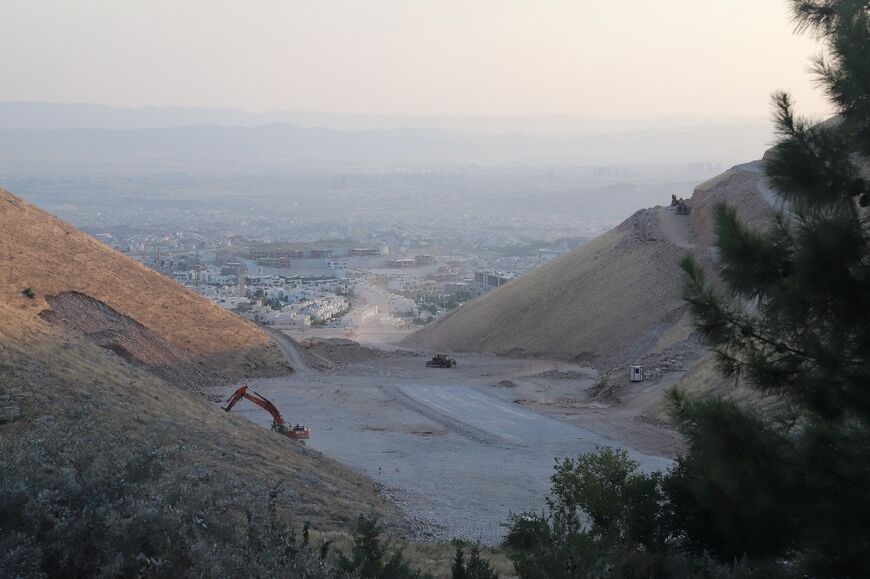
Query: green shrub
[[607, 519], [621, 504], [71, 506]]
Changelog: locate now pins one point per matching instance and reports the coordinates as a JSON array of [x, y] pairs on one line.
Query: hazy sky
[[591, 58]]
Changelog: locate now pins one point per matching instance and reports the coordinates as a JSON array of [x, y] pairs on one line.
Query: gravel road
[[456, 459]]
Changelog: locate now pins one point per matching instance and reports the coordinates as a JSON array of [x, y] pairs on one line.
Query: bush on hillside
[[605, 518], [70, 510]]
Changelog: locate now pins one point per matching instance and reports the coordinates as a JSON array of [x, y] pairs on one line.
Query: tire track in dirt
[[445, 420]]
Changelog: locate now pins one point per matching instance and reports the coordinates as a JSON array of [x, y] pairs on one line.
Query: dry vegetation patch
[[107, 469]]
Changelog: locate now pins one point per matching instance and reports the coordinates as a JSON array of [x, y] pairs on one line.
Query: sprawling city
[[368, 254]]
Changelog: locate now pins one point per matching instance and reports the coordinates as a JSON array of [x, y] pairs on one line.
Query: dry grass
[[41, 252], [78, 406], [71, 380], [436, 558]]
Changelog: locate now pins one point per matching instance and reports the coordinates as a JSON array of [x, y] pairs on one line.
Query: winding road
[[290, 349]]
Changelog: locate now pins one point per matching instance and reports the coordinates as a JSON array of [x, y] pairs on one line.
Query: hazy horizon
[[675, 116], [420, 59], [48, 115]]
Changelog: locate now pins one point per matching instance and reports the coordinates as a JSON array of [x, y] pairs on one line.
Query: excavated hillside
[[613, 300], [126, 337], [149, 319]]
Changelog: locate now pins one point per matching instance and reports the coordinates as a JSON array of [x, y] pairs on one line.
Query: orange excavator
[[297, 431]]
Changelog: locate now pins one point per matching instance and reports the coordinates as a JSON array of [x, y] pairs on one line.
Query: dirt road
[[453, 456], [290, 351]]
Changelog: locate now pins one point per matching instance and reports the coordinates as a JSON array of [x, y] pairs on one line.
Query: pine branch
[[809, 141]]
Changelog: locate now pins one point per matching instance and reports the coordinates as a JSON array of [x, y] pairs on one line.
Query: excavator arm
[[237, 395], [257, 399], [297, 432]]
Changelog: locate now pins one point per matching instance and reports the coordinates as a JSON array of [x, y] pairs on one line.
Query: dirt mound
[[339, 352], [45, 256], [506, 384], [744, 187], [705, 378], [615, 299], [127, 338], [614, 383], [564, 375]]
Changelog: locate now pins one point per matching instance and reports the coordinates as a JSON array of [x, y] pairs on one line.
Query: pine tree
[[794, 324]]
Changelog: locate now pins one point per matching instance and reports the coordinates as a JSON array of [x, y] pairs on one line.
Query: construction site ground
[[456, 449]]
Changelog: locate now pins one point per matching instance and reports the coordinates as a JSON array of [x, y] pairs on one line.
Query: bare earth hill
[[87, 281], [613, 300]]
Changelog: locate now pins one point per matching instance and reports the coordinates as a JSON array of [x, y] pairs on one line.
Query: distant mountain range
[[60, 137], [49, 116]]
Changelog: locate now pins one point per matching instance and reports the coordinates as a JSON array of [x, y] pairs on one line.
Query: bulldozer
[[680, 206], [441, 361], [296, 432]]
